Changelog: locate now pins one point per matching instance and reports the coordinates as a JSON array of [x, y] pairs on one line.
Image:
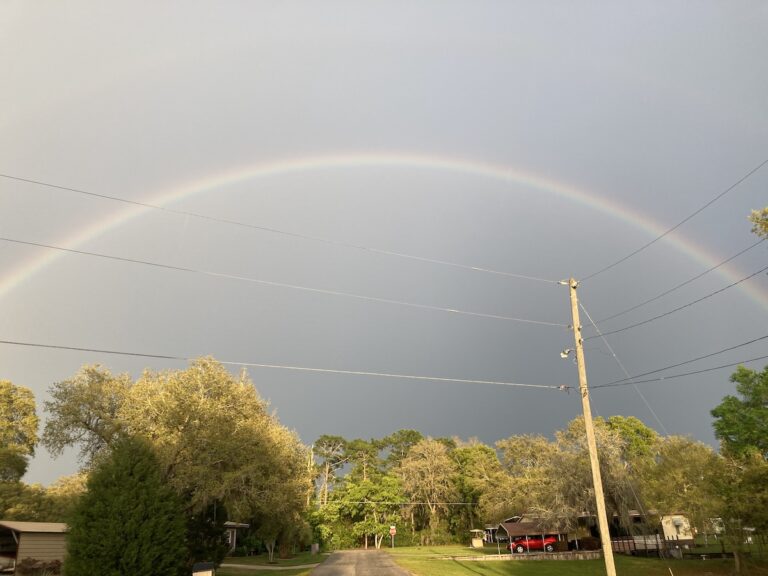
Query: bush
[[129, 522], [32, 567]]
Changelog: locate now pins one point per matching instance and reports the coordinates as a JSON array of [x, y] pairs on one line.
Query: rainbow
[[497, 172]]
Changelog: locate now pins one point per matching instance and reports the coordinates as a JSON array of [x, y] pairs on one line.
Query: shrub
[[129, 522]]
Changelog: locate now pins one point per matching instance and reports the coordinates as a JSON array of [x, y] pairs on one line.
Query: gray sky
[[545, 139]]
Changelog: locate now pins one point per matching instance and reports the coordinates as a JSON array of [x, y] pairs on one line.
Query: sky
[[314, 165]]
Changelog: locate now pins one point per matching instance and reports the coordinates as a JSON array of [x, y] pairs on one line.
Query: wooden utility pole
[[602, 518]]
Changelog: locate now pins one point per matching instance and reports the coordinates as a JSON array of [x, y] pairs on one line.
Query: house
[[230, 536], [677, 527], [43, 541]]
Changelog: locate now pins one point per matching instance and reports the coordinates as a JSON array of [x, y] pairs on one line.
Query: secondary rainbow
[[504, 173]]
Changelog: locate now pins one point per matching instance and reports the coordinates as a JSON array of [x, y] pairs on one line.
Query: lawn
[[253, 562], [430, 562], [257, 572], [263, 560]]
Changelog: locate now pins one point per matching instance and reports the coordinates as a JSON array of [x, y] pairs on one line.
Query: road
[[359, 563]]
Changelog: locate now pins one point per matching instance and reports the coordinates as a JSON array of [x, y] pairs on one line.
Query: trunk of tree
[[270, 545], [737, 561]]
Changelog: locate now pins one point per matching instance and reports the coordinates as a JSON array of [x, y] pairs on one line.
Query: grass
[[257, 572], [428, 562], [253, 563], [263, 560]]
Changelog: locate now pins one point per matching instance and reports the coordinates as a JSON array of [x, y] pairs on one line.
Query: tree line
[[179, 452]]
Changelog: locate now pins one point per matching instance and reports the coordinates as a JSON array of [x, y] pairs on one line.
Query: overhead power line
[[649, 320], [683, 221], [707, 271], [687, 361], [662, 378], [280, 284], [284, 367], [623, 369], [269, 229]]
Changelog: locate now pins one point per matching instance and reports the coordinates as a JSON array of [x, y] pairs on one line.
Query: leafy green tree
[[371, 506], [479, 472], [18, 430], [398, 444], [129, 521], [84, 411], [363, 455], [741, 423]]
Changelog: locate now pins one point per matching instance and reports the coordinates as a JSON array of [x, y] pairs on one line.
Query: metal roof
[[43, 527]]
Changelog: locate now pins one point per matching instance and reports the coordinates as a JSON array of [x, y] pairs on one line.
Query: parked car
[[522, 544]]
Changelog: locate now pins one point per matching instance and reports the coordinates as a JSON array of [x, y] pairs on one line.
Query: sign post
[[392, 532]]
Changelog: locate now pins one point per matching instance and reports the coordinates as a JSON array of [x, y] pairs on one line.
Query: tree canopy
[[18, 430], [741, 422]]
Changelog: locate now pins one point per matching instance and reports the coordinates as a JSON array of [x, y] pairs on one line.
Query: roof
[[526, 529], [43, 527]]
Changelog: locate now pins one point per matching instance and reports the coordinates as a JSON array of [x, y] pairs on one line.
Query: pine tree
[[129, 522]]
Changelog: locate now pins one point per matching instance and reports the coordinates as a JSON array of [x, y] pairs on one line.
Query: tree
[[372, 507], [479, 471], [331, 452], [18, 430], [84, 411], [129, 521], [398, 444], [428, 474], [741, 423], [759, 219]]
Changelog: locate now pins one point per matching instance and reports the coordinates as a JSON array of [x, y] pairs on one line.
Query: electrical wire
[[679, 307], [283, 232], [280, 284], [662, 378], [688, 361], [623, 369], [561, 387], [676, 226], [635, 307]]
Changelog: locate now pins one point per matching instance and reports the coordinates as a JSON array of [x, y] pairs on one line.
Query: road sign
[[392, 530]]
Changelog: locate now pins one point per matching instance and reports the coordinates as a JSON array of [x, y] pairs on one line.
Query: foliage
[[33, 567], [741, 423], [129, 521], [205, 535], [429, 476], [216, 442], [83, 411], [18, 430], [759, 219]]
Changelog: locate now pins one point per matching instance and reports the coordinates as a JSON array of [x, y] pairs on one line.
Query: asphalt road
[[359, 563]]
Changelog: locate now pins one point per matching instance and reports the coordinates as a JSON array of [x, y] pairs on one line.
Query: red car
[[522, 544]]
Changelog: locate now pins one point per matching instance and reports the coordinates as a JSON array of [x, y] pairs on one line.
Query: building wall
[[42, 546], [676, 527]]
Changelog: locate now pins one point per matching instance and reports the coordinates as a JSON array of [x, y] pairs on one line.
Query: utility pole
[[602, 518]]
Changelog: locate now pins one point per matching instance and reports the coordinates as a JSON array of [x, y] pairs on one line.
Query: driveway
[[359, 563]]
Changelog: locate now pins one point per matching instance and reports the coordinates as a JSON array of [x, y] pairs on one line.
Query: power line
[[661, 378], [683, 221], [284, 367], [623, 369], [635, 307], [280, 284], [679, 307], [688, 361], [284, 232]]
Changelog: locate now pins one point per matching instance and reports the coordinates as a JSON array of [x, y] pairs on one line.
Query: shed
[[44, 541]]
